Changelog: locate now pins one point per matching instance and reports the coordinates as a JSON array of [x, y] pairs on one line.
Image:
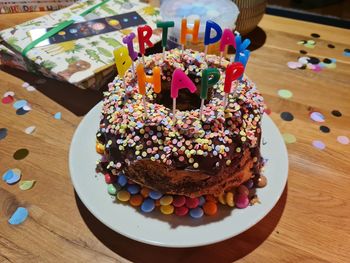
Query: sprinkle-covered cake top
[[188, 141]]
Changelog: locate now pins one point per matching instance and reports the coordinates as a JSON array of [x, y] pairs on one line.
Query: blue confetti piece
[[346, 54], [19, 104], [14, 178], [21, 111], [3, 133], [19, 216], [7, 175], [58, 115]]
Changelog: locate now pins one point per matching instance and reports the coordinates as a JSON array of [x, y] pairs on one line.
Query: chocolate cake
[[191, 157]]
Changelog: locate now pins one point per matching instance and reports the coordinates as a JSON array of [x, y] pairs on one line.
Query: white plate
[[163, 230]]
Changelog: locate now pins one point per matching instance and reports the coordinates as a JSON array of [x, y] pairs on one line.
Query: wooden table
[[309, 223]]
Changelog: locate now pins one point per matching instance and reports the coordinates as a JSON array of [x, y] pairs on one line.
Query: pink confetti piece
[[319, 145], [317, 116], [343, 139], [294, 65]]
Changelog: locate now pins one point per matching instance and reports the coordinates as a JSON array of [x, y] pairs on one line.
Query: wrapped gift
[[19, 6], [80, 53]]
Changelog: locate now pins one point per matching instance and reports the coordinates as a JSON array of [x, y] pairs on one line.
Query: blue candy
[[122, 180], [147, 205], [155, 195], [133, 189], [196, 212]]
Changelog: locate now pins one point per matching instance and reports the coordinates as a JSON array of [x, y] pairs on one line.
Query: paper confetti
[[9, 93], [26, 185], [19, 104], [21, 111], [7, 100], [31, 88], [294, 65], [30, 130], [3, 133], [289, 138], [25, 85], [336, 113], [317, 116], [19, 216], [20, 154], [14, 178], [58, 115], [318, 144], [284, 93], [7, 175], [346, 52], [325, 129], [287, 116], [343, 139]]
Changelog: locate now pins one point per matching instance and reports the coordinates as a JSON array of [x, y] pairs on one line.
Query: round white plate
[[171, 231]]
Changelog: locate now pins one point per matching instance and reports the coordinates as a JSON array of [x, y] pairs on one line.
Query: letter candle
[[210, 76], [228, 38], [240, 47], [180, 81], [243, 58], [144, 39], [142, 78], [122, 61], [207, 39], [165, 25], [233, 72], [185, 30], [128, 40]]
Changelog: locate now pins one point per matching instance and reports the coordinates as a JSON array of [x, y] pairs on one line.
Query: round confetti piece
[[30, 130], [289, 138], [313, 60], [284, 93], [7, 100], [9, 93], [27, 108], [294, 65], [309, 45], [7, 175], [19, 104], [336, 113], [303, 52], [25, 85], [21, 111], [303, 60], [343, 139], [3, 133], [21, 154], [31, 88], [325, 129], [26, 185], [317, 116], [287, 116], [19, 216], [58, 115], [330, 46], [17, 171], [315, 35], [346, 52], [14, 179], [318, 144], [327, 61]]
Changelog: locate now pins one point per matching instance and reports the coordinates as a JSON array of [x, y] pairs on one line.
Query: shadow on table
[[225, 251], [79, 101], [257, 38]]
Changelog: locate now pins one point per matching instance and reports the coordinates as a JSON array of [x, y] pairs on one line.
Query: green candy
[[112, 190]]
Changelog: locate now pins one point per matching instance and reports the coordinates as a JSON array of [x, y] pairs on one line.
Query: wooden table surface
[[310, 223]]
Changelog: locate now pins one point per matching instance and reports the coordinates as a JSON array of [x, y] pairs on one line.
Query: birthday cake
[[202, 154]]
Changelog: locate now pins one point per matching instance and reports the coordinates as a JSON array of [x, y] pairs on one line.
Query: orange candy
[[144, 192], [136, 200], [210, 208], [100, 148]]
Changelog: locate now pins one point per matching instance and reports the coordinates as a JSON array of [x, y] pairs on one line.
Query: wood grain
[[310, 223]]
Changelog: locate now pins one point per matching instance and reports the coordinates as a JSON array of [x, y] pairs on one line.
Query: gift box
[[82, 52], [19, 6]]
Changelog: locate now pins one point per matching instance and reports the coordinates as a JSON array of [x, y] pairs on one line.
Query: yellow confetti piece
[[26, 185]]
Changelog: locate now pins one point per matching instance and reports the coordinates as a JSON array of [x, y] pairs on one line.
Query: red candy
[[192, 202], [242, 201], [181, 211], [179, 201], [109, 178]]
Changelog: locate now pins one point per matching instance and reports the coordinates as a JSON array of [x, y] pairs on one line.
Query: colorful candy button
[[210, 208], [166, 200], [19, 216], [196, 212], [122, 180], [242, 201], [133, 189], [181, 211], [192, 202], [155, 195], [123, 196], [136, 200], [145, 192], [109, 178], [230, 199], [147, 205], [179, 201], [112, 190], [201, 200], [167, 209]]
